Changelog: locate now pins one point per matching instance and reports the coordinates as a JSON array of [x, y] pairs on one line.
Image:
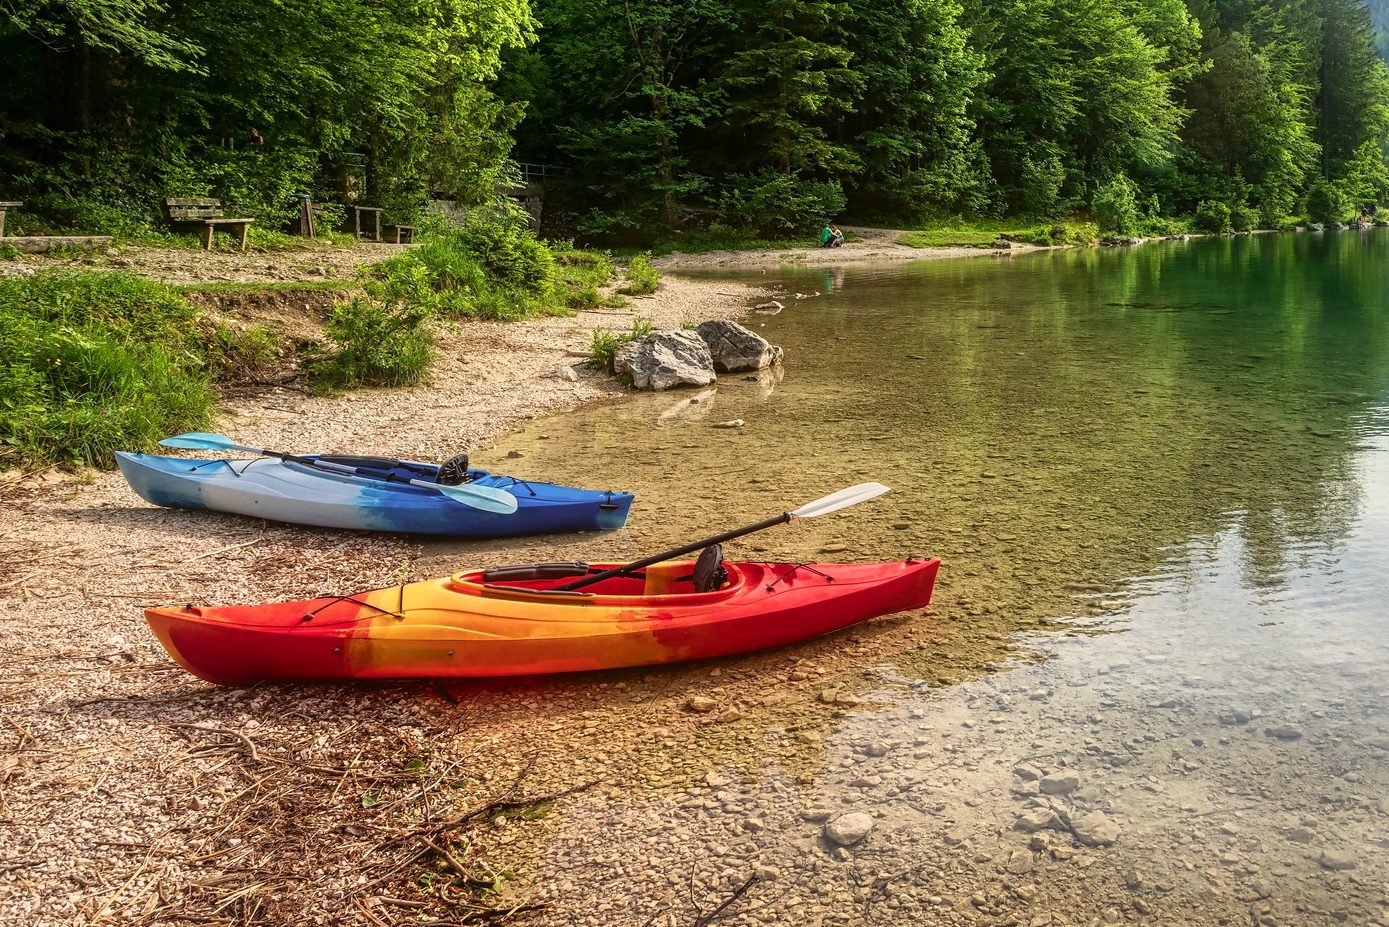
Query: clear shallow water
[[1184, 444]]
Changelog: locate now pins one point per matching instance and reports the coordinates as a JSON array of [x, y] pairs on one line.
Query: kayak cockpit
[[543, 581]]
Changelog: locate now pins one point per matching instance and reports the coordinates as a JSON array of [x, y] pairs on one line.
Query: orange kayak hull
[[467, 626]]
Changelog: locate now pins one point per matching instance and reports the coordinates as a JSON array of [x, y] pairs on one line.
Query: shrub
[[375, 344], [1039, 186], [1212, 216], [774, 204], [584, 298], [490, 270], [509, 254], [1116, 206], [1327, 203], [606, 344], [234, 353], [642, 277], [1062, 233], [93, 363], [1243, 218]]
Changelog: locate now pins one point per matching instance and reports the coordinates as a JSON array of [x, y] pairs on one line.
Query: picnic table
[[363, 222]]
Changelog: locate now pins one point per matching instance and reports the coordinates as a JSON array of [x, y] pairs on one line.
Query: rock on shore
[[666, 359], [735, 348]]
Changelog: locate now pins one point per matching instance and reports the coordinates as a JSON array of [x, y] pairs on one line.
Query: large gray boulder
[[662, 360], [736, 348]]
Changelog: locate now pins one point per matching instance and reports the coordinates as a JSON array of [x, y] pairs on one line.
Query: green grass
[[581, 275], [981, 233], [96, 362]]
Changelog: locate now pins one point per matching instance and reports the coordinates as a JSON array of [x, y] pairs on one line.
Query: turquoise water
[[1183, 445]]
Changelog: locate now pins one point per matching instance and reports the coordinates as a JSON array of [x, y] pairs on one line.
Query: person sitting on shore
[[836, 236], [826, 235]]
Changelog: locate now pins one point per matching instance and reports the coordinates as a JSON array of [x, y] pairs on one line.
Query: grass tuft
[[643, 278], [605, 344], [374, 344]]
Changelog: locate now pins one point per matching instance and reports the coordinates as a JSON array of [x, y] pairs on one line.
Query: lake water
[[1174, 459]]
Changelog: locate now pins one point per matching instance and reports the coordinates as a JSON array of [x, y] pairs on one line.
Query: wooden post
[[207, 236], [4, 206]]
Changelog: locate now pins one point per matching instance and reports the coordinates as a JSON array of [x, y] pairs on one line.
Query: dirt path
[[313, 263]]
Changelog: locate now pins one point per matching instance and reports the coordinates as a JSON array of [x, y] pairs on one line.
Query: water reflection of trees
[[1049, 422], [1145, 393]]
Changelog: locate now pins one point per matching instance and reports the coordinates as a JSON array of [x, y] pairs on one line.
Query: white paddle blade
[[835, 501], [200, 441], [485, 498]]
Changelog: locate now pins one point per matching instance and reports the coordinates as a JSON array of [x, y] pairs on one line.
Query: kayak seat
[[454, 471], [709, 572], [529, 571]]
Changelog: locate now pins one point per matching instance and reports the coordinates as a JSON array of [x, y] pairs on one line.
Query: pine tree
[[788, 80], [1350, 83]]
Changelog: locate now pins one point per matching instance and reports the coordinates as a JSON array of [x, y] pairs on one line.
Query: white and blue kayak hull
[[305, 495]]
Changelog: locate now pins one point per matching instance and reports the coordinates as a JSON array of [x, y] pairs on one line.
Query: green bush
[[510, 255], [1212, 216], [775, 204], [584, 298], [94, 362], [642, 277], [1327, 203], [1062, 233], [375, 344], [236, 354], [489, 270], [1116, 207], [1243, 218], [606, 344]]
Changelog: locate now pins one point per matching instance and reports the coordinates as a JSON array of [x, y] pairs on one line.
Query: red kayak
[[514, 621]]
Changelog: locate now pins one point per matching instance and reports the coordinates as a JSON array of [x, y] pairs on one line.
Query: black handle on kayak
[[781, 519]]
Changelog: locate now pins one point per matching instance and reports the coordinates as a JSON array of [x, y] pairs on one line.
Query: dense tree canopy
[[765, 114]]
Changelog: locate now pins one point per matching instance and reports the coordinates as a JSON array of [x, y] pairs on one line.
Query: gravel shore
[[131, 792]]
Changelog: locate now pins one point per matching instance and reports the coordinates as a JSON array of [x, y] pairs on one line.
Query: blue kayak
[[374, 499]]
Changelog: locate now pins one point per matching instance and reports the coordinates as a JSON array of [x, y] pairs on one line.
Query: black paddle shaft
[[781, 519], [329, 464]]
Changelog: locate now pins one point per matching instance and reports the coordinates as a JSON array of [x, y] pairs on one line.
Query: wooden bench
[[363, 222], [3, 207], [400, 234], [205, 214]]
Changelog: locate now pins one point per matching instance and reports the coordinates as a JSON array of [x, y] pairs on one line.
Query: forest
[[661, 117]]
